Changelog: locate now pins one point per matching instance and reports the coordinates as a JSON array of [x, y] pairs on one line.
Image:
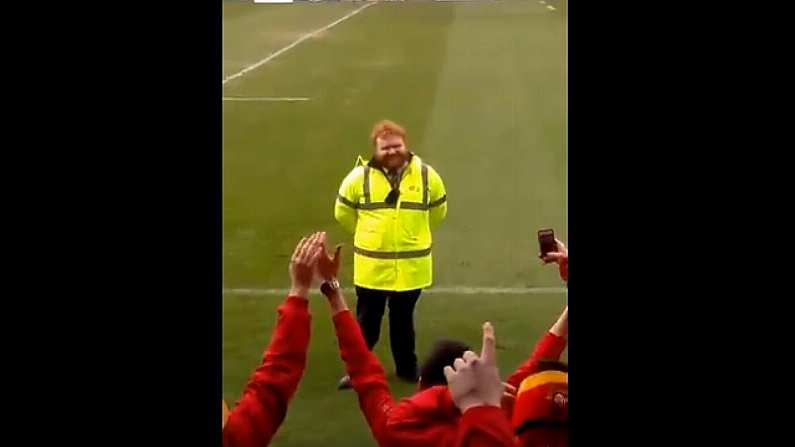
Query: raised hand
[[487, 375], [475, 380], [560, 257], [328, 267], [302, 264]]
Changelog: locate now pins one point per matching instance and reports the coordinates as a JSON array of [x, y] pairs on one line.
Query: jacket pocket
[[369, 236]]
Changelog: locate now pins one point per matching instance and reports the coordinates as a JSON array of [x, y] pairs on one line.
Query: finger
[[458, 364], [449, 373], [470, 357], [314, 255], [302, 251], [315, 240], [297, 250], [561, 245], [508, 396], [488, 353], [552, 256], [322, 241], [303, 255], [315, 248], [509, 388]]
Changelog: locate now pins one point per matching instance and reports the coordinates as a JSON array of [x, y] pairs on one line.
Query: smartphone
[[546, 241]]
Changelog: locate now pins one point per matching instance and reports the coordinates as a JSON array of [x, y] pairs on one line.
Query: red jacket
[[429, 417], [255, 419], [563, 268], [484, 427], [550, 347]]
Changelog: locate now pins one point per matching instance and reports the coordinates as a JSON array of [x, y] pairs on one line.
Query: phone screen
[[546, 241]]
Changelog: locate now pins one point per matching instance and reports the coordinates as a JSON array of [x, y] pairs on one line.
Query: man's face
[[391, 151]]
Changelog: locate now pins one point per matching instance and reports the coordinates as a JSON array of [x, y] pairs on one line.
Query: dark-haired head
[[443, 353]]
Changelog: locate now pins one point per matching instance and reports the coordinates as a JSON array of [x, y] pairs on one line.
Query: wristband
[[329, 288]]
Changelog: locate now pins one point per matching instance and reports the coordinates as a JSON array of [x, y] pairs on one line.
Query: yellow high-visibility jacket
[[392, 242]]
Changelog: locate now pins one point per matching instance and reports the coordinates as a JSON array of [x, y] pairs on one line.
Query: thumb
[[553, 256], [337, 254]]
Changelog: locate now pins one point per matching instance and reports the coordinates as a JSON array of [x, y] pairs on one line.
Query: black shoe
[[345, 383]]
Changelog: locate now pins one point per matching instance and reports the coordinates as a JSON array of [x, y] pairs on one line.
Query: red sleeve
[[484, 426], [367, 375], [550, 347], [255, 419]]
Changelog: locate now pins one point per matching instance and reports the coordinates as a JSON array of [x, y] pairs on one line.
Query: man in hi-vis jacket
[[390, 205]]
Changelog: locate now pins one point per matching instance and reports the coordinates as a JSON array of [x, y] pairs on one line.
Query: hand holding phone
[[546, 242], [555, 251]]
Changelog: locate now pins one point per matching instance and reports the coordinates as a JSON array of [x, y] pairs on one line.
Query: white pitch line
[[263, 98], [299, 40], [460, 290]]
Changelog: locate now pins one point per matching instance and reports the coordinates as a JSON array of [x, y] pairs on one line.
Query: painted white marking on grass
[[550, 7], [263, 98], [458, 290], [300, 39]]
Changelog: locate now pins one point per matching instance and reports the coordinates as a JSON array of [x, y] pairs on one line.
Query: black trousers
[[370, 305]]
